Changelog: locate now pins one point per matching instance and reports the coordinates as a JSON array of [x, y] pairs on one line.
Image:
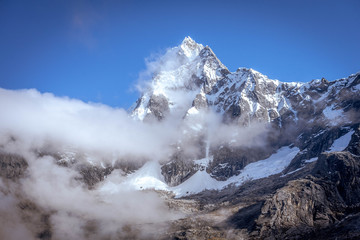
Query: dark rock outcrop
[[91, 175], [12, 166], [229, 161], [327, 198], [178, 170], [295, 209], [158, 106]]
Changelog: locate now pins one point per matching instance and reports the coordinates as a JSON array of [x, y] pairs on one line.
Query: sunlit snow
[[149, 176], [311, 160]]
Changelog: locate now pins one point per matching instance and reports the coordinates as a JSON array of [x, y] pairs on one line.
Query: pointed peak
[[187, 40], [190, 48]]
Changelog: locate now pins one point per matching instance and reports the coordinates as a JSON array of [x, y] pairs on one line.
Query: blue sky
[[95, 50]]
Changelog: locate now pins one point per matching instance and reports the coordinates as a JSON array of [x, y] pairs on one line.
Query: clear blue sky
[[94, 50]]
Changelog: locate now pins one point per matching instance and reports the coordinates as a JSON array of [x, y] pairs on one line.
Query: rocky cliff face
[[323, 199], [12, 167]]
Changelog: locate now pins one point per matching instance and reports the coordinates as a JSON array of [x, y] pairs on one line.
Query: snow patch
[[334, 115], [311, 160], [201, 180], [192, 111], [275, 164], [341, 143], [198, 182], [296, 170], [149, 176], [356, 88], [204, 161]]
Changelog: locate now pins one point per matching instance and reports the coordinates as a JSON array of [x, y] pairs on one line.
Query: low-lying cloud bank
[[50, 202], [50, 123], [39, 120]]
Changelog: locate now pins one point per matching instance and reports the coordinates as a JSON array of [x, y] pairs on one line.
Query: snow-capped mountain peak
[[197, 79], [190, 48], [191, 67]]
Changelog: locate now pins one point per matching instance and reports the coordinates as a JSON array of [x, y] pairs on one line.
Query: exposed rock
[[347, 228], [313, 142], [342, 169], [158, 107], [37, 219], [178, 170], [228, 161], [354, 145], [200, 102], [12, 166], [294, 210], [305, 206], [91, 175]]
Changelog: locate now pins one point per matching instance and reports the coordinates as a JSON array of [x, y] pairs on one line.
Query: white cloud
[[39, 120]]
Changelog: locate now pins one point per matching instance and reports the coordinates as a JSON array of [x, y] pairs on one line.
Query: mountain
[[244, 95], [310, 128], [252, 157], [198, 83]]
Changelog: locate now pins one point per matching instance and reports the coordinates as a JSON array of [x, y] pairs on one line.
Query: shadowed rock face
[[200, 102], [295, 208], [91, 175], [354, 146], [342, 169], [319, 201], [228, 161], [12, 167], [178, 170], [158, 107]]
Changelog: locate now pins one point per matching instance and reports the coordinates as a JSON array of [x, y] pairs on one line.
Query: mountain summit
[[178, 77], [191, 70], [190, 48]]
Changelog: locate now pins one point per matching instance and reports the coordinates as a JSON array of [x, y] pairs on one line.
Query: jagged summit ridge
[[182, 72], [195, 68], [242, 96], [190, 48]]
